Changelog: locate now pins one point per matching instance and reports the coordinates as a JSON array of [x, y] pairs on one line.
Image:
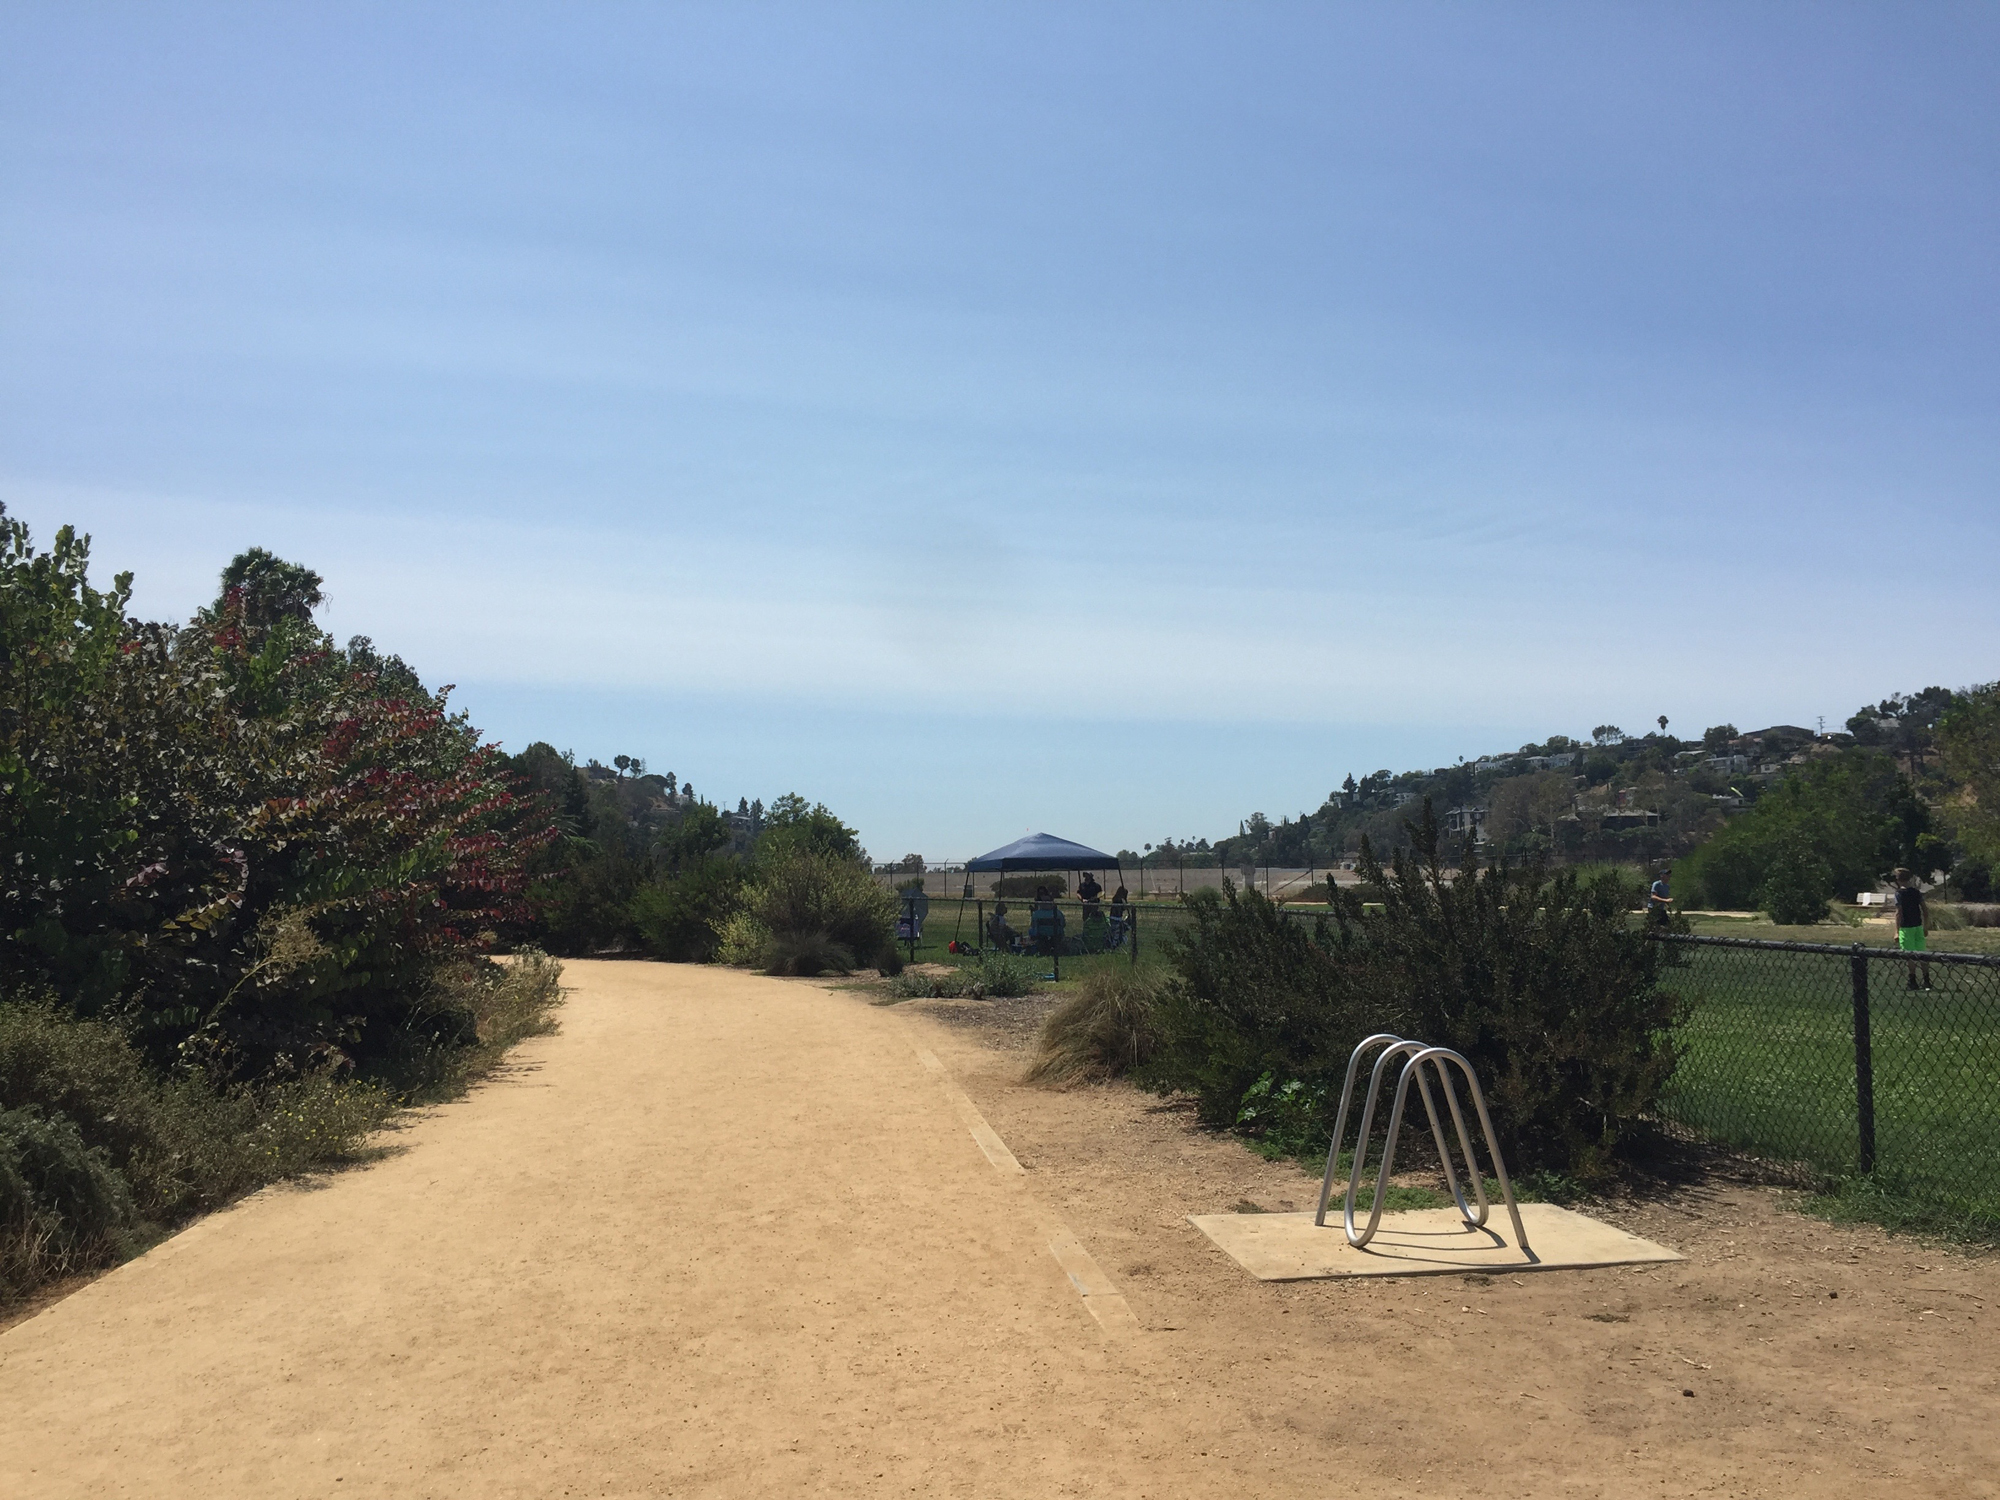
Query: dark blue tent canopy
[[1043, 851]]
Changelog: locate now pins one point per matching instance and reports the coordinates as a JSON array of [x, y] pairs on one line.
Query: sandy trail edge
[[720, 1235]]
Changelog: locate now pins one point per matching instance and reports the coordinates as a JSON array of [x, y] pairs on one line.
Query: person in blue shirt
[[1659, 900]]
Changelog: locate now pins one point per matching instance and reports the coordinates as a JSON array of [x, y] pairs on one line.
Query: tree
[[1527, 804], [1663, 723], [1904, 724], [391, 673], [1856, 812], [182, 806], [1969, 748], [271, 589], [790, 824], [1608, 734], [1716, 738]]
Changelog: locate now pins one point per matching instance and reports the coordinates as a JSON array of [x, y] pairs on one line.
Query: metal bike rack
[[1419, 1055]]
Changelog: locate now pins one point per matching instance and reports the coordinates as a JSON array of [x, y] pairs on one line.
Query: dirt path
[[731, 1236]]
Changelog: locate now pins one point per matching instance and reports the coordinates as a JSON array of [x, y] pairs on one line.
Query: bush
[[1007, 976], [255, 845], [953, 985], [682, 917], [998, 976], [1255, 992], [1542, 981], [1101, 1031], [808, 912], [100, 1150], [63, 1206], [476, 1010], [1798, 883], [806, 954], [1025, 886]]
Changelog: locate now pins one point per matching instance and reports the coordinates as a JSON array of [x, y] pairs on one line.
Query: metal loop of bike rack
[[1419, 1054]]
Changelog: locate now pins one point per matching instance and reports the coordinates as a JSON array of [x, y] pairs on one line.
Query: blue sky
[[1106, 419]]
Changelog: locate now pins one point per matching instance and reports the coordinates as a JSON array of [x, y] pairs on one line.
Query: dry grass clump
[[1104, 1029]]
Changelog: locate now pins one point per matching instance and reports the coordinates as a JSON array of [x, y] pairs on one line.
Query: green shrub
[[98, 1148], [1542, 981], [682, 917], [1102, 1030], [953, 985], [996, 976], [808, 912], [63, 1206], [1025, 886], [1798, 883], [1287, 1116], [475, 1010], [1254, 992], [1006, 976], [743, 940]]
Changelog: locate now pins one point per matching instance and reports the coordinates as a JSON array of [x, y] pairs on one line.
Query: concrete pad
[[1423, 1242]]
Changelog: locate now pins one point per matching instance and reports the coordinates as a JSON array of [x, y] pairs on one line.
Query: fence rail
[[1843, 1061]]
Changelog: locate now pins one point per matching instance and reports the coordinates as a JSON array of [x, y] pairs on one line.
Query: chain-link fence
[[1841, 1061]]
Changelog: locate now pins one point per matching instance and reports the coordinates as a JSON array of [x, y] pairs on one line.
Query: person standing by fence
[[1910, 923], [1659, 901]]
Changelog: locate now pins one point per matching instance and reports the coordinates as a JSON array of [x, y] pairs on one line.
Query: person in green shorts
[[1910, 922]]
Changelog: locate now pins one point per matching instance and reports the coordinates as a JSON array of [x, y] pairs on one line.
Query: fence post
[[1864, 1060]]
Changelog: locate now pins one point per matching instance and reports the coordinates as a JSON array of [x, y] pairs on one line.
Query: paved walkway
[[721, 1235]]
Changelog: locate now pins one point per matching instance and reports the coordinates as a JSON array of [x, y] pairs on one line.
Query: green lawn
[[1768, 1067]]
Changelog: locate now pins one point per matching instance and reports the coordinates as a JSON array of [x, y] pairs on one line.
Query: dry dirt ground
[[729, 1236]]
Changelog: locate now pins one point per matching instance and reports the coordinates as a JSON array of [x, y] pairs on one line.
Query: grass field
[[1769, 1068]]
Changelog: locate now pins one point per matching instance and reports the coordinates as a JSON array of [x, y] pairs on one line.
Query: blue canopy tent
[[1041, 851]]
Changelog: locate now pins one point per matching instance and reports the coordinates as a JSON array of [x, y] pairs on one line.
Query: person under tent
[[1045, 924], [999, 932], [1121, 917]]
